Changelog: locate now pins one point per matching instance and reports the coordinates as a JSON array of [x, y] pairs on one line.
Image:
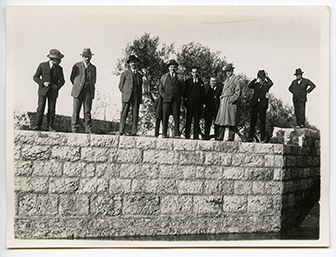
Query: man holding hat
[[50, 78], [83, 77], [226, 116], [130, 86], [259, 103], [300, 87], [171, 88]]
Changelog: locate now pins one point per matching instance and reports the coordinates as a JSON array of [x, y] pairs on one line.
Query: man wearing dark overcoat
[[300, 87], [212, 99], [50, 78], [83, 77], [193, 99], [130, 86], [171, 89], [259, 103]]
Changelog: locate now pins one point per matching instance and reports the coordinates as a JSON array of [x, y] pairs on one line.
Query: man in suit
[[212, 99], [83, 77], [130, 86], [259, 103], [193, 100], [171, 89], [50, 78], [300, 87]]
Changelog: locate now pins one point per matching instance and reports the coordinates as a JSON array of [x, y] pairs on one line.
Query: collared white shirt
[[86, 65], [51, 64]]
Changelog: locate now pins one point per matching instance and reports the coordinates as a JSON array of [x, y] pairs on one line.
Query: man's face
[[133, 64], [262, 77], [87, 58], [229, 73], [299, 76], [56, 61], [194, 73], [212, 82], [172, 68]]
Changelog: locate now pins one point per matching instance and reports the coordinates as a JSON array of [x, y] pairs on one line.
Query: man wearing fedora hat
[[300, 87], [130, 86], [83, 78], [259, 103], [226, 116], [50, 78], [171, 89]]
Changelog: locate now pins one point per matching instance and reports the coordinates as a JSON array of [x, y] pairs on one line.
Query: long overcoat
[[227, 112]]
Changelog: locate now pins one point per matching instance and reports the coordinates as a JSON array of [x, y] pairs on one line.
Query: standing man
[[212, 96], [194, 99], [130, 86], [300, 87], [83, 77], [259, 103], [227, 113], [50, 78], [171, 90]]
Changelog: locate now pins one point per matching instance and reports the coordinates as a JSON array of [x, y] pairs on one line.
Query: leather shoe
[[50, 129], [36, 128]]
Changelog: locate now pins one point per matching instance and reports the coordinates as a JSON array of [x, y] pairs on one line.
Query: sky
[[276, 39]]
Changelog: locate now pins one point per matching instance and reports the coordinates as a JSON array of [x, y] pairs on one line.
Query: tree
[[153, 57], [209, 63]]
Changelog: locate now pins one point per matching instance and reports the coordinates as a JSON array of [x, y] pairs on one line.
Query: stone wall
[[103, 186]]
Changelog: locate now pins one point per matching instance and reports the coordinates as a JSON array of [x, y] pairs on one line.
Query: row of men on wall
[[217, 101]]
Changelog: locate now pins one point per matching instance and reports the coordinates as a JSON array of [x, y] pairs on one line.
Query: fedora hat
[[86, 52], [55, 54], [172, 62], [298, 72], [132, 58], [229, 67]]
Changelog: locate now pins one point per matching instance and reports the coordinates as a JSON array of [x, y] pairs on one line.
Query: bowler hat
[[261, 73], [229, 67], [172, 62], [298, 72], [55, 54], [132, 58], [86, 52]]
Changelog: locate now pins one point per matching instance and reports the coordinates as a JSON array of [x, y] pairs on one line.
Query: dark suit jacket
[[126, 85], [300, 91], [170, 87], [260, 90], [212, 97], [42, 75], [194, 92], [77, 78]]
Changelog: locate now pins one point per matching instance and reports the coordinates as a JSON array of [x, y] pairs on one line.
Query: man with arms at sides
[[227, 113], [259, 103], [212, 96], [171, 89], [194, 100], [300, 87], [130, 86], [83, 77], [50, 78]]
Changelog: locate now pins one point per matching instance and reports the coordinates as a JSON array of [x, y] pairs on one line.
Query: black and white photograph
[[167, 126]]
